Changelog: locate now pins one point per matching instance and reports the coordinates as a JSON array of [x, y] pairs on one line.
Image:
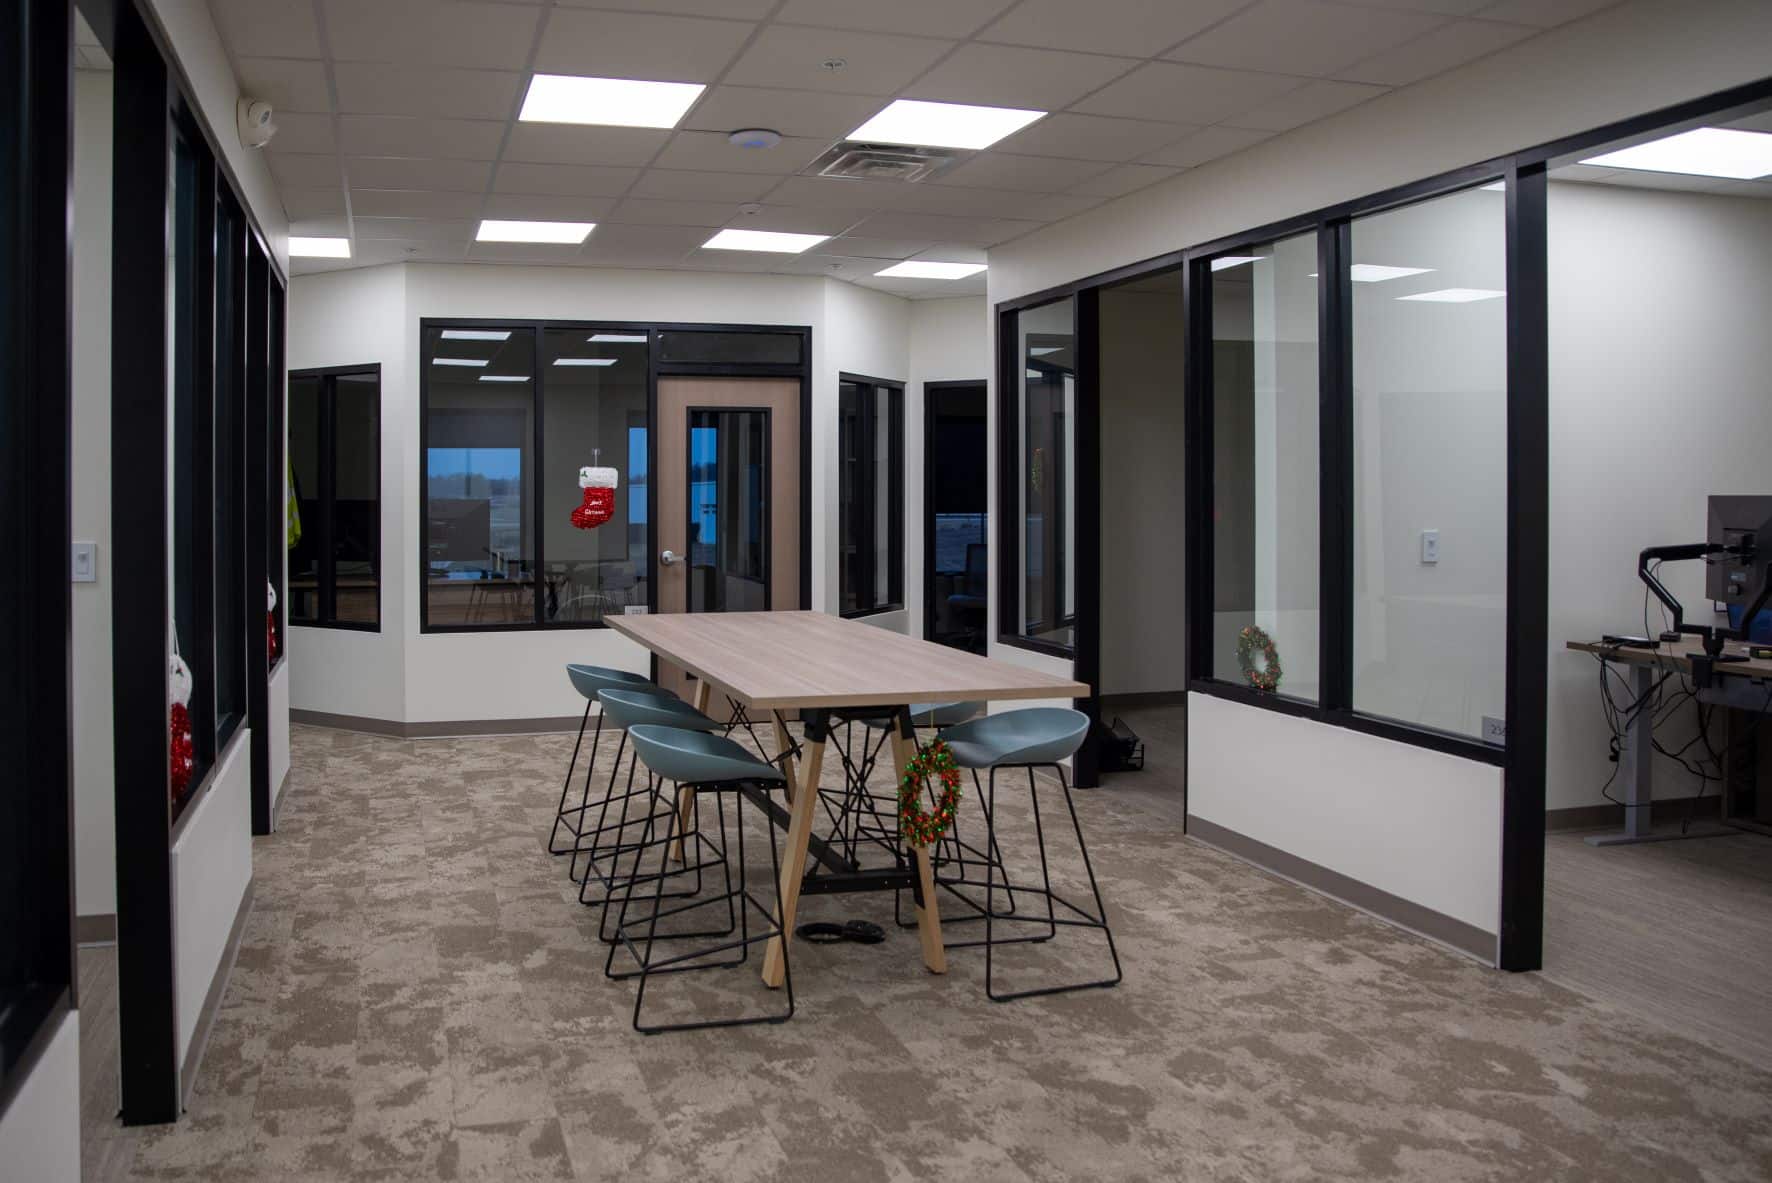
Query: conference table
[[773, 663]]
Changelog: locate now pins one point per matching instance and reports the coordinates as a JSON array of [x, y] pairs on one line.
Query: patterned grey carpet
[[419, 996]]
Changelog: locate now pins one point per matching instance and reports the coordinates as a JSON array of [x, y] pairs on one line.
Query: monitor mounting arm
[[1713, 636]]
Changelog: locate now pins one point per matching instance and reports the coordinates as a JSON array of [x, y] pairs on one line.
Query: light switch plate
[[633, 609], [85, 562], [1430, 546], [1494, 730]]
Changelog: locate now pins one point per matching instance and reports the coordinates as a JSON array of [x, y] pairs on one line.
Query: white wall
[[950, 342], [95, 850], [211, 868], [279, 718], [40, 1129], [1659, 398]]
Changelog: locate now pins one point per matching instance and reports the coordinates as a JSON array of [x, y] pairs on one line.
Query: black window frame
[[655, 369], [327, 497], [865, 529], [932, 392]]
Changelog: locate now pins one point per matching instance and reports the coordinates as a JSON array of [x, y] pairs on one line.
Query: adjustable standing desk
[[1743, 685]]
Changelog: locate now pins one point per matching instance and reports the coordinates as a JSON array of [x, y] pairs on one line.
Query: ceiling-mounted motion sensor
[[755, 137], [255, 118]]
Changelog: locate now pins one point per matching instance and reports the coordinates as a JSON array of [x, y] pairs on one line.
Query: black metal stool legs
[[578, 813]]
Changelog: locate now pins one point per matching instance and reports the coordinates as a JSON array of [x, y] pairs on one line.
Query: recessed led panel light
[[1035, 374], [584, 361], [914, 269], [1228, 261], [319, 248], [503, 378], [1701, 152], [1378, 273], [762, 240], [476, 334], [1043, 350], [1494, 187], [1456, 295], [571, 233], [459, 361], [617, 339], [943, 125], [609, 102]]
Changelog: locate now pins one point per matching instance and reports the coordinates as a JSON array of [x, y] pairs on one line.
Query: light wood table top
[[1678, 655], [794, 660]]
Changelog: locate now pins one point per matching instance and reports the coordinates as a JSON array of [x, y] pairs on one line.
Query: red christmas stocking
[[598, 505]]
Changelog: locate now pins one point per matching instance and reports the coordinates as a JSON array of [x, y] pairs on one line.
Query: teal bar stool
[[604, 841], [701, 764], [1037, 737], [587, 680]]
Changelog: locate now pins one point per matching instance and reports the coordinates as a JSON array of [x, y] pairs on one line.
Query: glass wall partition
[[1046, 460], [1265, 473], [334, 538], [1429, 357], [229, 493], [870, 496]]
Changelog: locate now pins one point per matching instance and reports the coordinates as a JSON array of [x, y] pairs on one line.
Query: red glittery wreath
[[917, 825]]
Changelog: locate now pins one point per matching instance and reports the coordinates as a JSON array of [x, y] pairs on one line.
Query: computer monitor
[[1732, 521]]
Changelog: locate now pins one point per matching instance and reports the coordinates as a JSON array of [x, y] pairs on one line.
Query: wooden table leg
[[686, 797], [935, 956], [784, 745], [793, 857]]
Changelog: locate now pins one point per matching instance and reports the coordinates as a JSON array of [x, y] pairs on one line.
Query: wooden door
[[728, 524]]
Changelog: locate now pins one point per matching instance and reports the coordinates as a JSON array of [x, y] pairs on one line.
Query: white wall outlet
[[85, 562], [1494, 730], [1430, 546], [633, 609]]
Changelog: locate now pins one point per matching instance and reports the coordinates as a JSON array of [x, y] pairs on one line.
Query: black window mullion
[[327, 406], [1335, 403], [536, 511], [866, 490], [1197, 432], [200, 645], [895, 590]]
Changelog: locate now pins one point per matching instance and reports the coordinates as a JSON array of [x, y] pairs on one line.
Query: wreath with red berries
[[917, 825], [1265, 676]]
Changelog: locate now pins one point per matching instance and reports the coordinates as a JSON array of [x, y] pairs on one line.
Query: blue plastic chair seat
[[698, 758], [1036, 735], [625, 708], [588, 679]]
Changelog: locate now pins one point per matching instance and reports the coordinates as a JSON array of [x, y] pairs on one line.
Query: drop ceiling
[[397, 118]]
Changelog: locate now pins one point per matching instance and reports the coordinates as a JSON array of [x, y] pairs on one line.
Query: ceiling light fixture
[[618, 339], [460, 361], [607, 102], [1701, 152], [568, 233], [1456, 295], [1043, 350], [503, 378], [476, 334], [1378, 273], [943, 125], [319, 248], [927, 269], [584, 361], [1226, 262], [1494, 187], [762, 240]]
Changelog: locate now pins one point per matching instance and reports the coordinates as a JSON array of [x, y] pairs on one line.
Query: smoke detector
[[854, 160], [755, 137], [256, 122]]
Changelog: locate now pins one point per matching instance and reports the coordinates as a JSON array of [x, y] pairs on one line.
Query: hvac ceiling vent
[[883, 162]]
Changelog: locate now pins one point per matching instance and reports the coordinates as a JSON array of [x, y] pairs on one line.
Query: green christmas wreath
[[1251, 641], [916, 825]]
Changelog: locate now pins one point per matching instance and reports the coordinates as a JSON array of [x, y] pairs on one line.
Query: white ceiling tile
[[1187, 94], [431, 32], [1307, 104], [929, 18], [1031, 174], [711, 151], [839, 193], [336, 226], [408, 135], [638, 45], [953, 252], [978, 232], [295, 170], [1207, 144], [563, 180], [750, 10], [268, 28], [795, 219], [692, 185], [1544, 13], [1443, 7], [397, 172], [566, 143], [1760, 122], [286, 84], [875, 248], [373, 89], [874, 63], [414, 229], [653, 211], [1093, 137], [413, 203], [301, 132], [1124, 179], [1136, 28], [643, 245], [312, 203], [790, 112], [544, 207], [529, 253], [1052, 207], [1446, 48], [371, 251], [1012, 76], [1311, 37]]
